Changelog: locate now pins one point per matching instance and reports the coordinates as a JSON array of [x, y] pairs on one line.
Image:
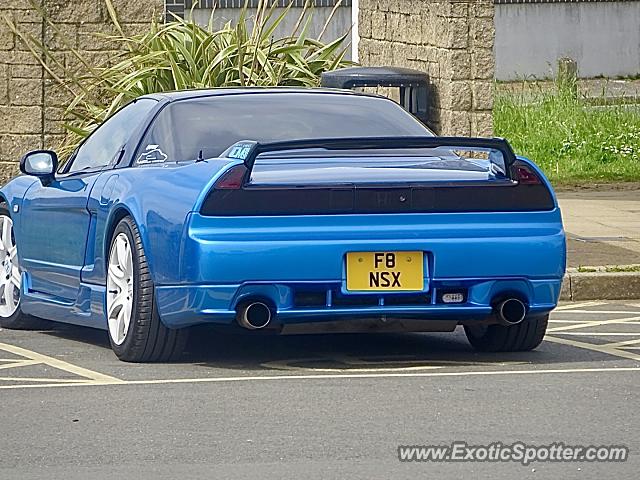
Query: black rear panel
[[502, 196]]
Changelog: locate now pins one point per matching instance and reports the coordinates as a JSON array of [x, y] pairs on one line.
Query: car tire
[[11, 315], [144, 338], [521, 337]]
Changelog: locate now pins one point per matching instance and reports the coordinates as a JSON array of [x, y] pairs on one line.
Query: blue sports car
[[281, 210]]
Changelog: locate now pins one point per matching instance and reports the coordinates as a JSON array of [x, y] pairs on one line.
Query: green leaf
[[181, 55]]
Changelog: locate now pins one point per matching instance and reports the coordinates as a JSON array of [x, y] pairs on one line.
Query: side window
[[160, 143], [100, 149]]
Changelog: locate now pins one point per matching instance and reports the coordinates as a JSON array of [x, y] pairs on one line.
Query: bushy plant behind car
[[183, 55]]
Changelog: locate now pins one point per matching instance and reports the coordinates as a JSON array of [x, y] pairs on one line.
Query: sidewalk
[[603, 229]]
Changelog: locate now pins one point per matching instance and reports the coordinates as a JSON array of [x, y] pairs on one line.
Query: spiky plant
[[181, 55]]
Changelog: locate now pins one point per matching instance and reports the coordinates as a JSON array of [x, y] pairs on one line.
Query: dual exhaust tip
[[510, 311], [256, 315]]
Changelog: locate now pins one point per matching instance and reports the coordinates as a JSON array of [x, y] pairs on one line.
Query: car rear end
[[415, 234]]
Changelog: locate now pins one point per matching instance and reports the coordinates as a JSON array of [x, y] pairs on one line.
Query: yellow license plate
[[384, 271]]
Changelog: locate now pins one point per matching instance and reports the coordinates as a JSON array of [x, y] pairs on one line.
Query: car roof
[[213, 92]]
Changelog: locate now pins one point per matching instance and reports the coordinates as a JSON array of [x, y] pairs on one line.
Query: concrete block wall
[[603, 36], [31, 103], [452, 41]]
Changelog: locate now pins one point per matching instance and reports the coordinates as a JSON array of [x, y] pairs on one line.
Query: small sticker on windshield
[[240, 151], [152, 154]]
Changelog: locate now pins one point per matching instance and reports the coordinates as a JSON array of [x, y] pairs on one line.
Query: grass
[[629, 268], [611, 269], [572, 140], [587, 270]]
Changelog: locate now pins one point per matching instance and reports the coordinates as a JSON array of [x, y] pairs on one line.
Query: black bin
[[413, 85]]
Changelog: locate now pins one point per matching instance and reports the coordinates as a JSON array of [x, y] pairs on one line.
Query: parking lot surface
[[329, 406]]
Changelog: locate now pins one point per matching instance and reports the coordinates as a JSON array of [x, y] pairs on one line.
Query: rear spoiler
[[249, 150]]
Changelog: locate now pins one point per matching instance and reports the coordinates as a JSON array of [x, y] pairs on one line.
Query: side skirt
[[87, 310]]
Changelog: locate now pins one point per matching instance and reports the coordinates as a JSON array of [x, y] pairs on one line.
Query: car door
[[55, 218]]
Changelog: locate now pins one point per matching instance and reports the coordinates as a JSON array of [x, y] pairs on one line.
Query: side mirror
[[40, 163]]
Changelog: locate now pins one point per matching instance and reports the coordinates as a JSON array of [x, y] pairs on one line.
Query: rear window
[[210, 125]]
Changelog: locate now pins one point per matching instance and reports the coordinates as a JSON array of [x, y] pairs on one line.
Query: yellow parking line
[[594, 347], [592, 324], [18, 363], [582, 321], [623, 343], [566, 321], [578, 305], [333, 376], [43, 380], [600, 334], [603, 312], [354, 364], [59, 364]]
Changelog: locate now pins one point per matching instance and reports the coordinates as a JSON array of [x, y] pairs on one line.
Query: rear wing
[[249, 150]]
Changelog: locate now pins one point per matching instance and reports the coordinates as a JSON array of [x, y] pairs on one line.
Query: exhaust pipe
[[254, 315], [510, 311]]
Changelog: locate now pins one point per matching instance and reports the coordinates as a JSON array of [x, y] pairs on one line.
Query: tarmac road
[[318, 406]]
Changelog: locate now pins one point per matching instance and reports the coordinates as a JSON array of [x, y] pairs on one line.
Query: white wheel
[[120, 288], [136, 331], [10, 277]]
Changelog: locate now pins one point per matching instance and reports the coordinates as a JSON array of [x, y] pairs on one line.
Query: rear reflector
[[232, 179]]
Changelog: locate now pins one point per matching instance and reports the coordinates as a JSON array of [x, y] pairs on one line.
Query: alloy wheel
[[10, 277], [120, 288]]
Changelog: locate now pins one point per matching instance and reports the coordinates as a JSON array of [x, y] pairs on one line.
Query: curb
[[600, 285]]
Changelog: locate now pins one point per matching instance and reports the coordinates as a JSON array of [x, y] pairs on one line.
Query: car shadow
[[210, 348], [338, 352], [75, 333]]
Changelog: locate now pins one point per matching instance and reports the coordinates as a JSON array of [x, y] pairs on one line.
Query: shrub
[[183, 55]]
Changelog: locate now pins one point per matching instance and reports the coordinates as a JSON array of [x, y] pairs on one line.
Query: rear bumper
[[227, 260], [181, 306]]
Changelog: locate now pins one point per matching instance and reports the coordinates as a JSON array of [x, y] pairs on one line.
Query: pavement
[[339, 406], [318, 407], [603, 234]]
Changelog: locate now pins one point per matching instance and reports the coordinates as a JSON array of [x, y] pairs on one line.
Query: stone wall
[[31, 103], [452, 41]]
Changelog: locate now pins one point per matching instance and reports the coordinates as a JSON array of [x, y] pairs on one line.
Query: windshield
[[206, 127]]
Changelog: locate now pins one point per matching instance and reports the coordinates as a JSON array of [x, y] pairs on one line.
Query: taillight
[[232, 179], [526, 176]]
